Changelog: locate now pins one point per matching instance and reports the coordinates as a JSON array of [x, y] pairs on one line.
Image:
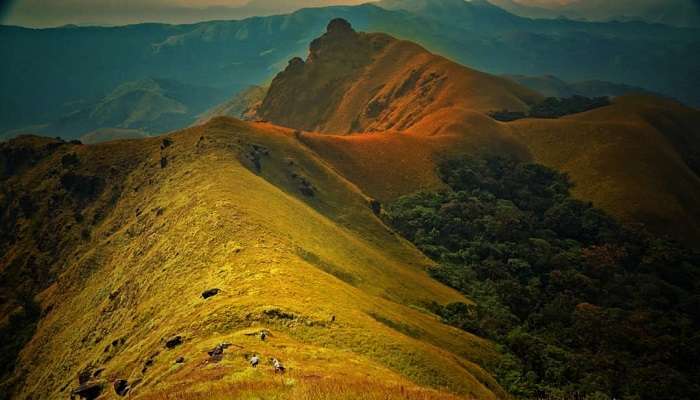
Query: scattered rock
[[210, 293], [255, 154], [173, 342], [217, 353], [167, 142], [376, 206], [85, 375], [304, 185], [180, 360], [89, 391], [121, 387], [69, 160]]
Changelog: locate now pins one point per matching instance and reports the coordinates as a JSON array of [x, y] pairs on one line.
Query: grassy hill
[[135, 253], [418, 108]]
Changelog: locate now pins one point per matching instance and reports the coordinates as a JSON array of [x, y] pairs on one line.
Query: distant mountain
[[110, 134], [242, 105], [81, 66], [150, 105], [552, 86], [682, 13]]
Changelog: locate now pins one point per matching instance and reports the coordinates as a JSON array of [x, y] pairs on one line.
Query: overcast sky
[[45, 13]]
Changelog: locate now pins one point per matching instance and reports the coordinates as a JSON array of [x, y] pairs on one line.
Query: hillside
[[157, 224], [358, 82], [636, 158], [240, 53], [153, 265], [242, 105], [151, 105]]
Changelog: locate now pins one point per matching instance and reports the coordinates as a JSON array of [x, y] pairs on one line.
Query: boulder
[[121, 387], [210, 292], [89, 391], [173, 342]]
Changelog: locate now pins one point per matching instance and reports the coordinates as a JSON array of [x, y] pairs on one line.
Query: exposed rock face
[[306, 92]]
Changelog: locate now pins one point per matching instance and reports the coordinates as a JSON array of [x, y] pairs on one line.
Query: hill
[[636, 158], [154, 265], [551, 86], [357, 82], [151, 105], [242, 105], [682, 13], [250, 51], [144, 222]]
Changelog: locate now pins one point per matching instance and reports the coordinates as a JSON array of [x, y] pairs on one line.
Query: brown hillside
[[638, 158], [360, 82]]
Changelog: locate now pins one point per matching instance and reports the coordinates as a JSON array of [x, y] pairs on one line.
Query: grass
[[311, 388], [205, 221]]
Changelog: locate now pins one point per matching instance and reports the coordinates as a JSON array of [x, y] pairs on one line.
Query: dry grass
[[208, 221]]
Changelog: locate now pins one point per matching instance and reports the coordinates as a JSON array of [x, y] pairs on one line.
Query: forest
[[581, 305]]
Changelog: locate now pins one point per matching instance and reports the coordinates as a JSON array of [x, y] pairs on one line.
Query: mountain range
[[251, 51], [682, 13]]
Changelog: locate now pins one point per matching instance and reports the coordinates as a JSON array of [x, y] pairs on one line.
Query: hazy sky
[[43, 13]]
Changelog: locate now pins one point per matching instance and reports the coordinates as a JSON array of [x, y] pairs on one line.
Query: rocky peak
[[339, 26]]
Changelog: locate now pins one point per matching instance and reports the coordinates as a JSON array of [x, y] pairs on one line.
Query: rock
[[89, 391], [173, 342], [121, 387], [166, 143], [210, 293], [85, 375], [180, 360], [376, 206], [339, 25], [217, 353]]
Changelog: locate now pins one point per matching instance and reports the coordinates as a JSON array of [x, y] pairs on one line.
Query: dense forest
[[582, 306], [553, 107]]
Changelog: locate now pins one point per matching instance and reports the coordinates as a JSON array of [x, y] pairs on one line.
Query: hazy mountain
[[242, 105], [83, 65], [552, 86], [682, 13], [151, 105]]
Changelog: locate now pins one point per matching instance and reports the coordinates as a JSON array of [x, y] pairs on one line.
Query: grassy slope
[[633, 159], [268, 248], [637, 159], [627, 159]]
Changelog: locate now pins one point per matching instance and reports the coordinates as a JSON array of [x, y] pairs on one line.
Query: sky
[[49, 13]]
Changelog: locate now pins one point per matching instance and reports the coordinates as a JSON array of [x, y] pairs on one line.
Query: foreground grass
[[307, 387]]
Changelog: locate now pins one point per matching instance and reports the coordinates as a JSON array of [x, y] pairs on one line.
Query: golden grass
[[207, 221]]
